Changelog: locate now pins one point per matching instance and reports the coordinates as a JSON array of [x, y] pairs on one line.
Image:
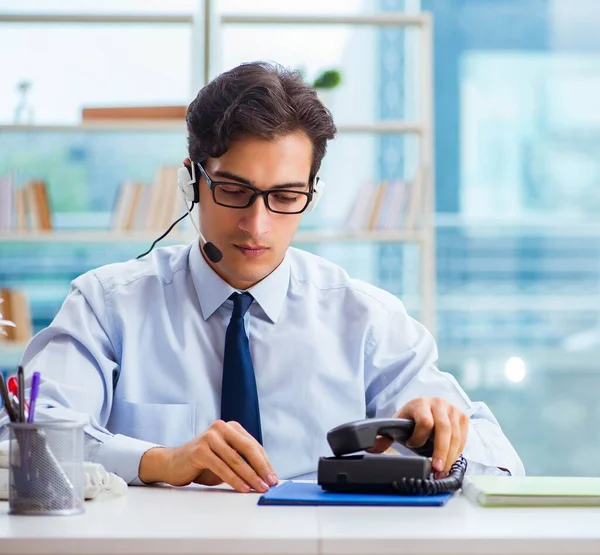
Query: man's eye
[[282, 197], [233, 190]]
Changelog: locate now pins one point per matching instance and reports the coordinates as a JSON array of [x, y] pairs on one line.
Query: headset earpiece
[[187, 184], [318, 187]]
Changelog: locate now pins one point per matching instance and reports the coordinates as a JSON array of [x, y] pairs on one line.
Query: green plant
[[328, 79]]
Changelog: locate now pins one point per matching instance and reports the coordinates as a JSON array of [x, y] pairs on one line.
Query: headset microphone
[[213, 253]]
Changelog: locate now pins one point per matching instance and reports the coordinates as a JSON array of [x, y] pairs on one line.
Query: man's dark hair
[[256, 99]]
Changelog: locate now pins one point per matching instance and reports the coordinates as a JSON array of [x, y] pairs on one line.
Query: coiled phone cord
[[418, 486]]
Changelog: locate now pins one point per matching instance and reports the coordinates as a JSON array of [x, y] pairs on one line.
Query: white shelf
[[99, 236], [388, 126], [104, 125], [397, 19], [85, 236], [128, 18], [385, 126]]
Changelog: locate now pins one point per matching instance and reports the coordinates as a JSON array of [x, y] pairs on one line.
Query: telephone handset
[[370, 473]]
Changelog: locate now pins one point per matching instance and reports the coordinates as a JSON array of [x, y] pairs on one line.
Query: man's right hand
[[225, 452]]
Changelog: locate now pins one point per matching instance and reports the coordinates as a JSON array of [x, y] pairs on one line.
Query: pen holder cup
[[46, 468]]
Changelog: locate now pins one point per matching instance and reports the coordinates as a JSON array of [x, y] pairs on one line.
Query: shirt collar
[[213, 291]]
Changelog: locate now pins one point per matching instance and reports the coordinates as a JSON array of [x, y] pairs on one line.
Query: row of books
[[15, 308], [139, 206], [148, 206], [389, 205], [24, 208]]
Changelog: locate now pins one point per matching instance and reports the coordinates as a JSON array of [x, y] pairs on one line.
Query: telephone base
[[370, 473]]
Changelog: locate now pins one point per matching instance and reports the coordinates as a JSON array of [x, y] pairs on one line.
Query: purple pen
[[35, 387]]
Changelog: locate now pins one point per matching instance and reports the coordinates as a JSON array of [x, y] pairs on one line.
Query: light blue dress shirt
[[137, 351]]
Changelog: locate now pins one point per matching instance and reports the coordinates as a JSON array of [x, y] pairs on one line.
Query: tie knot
[[241, 304]]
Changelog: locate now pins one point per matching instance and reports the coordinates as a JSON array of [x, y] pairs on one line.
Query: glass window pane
[[313, 49], [71, 66], [518, 143], [379, 77]]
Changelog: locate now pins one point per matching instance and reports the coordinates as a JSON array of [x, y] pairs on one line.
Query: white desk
[[209, 520]]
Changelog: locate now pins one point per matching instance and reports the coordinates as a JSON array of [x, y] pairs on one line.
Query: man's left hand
[[429, 413]]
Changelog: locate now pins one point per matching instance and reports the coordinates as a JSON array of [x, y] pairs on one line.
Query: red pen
[[13, 389], [12, 385]]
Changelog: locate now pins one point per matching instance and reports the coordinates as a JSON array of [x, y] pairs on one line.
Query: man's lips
[[252, 247], [251, 250]]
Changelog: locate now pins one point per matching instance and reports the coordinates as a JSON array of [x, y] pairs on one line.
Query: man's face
[[254, 240]]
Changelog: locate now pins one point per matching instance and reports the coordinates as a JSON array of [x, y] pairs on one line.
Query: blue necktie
[[239, 397]]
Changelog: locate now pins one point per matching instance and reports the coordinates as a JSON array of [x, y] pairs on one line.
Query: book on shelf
[[6, 203], [148, 206], [138, 206], [15, 309], [388, 205], [25, 208]]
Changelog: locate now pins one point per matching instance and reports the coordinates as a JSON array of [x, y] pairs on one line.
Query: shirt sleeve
[[78, 365], [400, 365]]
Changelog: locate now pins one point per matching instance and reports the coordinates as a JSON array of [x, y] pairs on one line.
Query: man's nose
[[256, 219]]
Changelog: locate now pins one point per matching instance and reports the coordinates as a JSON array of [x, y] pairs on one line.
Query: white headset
[[188, 186]]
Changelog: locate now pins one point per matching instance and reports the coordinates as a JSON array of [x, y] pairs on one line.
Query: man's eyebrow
[[244, 181], [232, 177]]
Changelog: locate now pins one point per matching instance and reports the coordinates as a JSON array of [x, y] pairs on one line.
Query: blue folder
[[302, 493]]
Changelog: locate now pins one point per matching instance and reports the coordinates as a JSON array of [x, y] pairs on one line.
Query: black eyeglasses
[[234, 195]]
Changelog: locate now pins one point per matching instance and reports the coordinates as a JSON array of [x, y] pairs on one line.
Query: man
[[229, 361]]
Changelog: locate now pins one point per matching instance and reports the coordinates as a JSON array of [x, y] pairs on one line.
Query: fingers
[[233, 474], [420, 412], [234, 469], [271, 474], [381, 444], [451, 427], [443, 437], [230, 453], [460, 429]]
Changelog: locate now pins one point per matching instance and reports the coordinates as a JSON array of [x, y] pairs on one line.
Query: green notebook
[[532, 491]]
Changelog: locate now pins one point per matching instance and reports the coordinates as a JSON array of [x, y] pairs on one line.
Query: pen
[[13, 389], [35, 387], [11, 385], [21, 393], [6, 400]]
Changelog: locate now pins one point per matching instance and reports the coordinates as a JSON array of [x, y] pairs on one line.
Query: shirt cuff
[[488, 451], [476, 468], [122, 455]]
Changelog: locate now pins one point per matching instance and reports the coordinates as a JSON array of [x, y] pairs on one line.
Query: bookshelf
[[422, 234], [100, 236], [387, 126]]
